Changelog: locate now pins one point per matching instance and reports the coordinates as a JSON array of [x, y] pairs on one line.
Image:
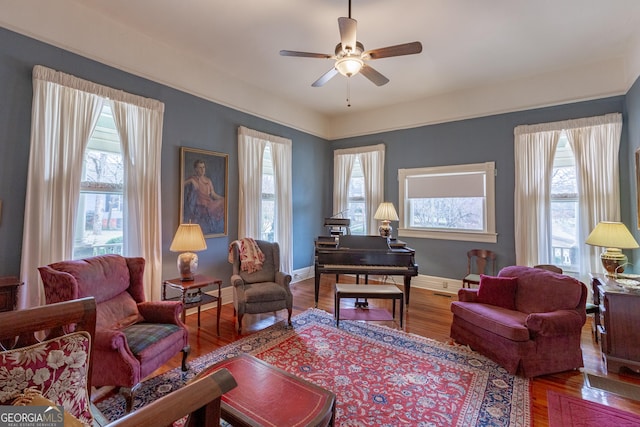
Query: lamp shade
[[612, 235], [386, 211], [188, 238]]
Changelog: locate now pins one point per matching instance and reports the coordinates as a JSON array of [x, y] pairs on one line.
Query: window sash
[[448, 182]]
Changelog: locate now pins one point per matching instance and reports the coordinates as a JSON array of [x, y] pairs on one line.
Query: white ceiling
[[479, 57]]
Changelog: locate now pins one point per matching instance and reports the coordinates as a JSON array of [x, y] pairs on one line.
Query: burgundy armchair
[[133, 337]]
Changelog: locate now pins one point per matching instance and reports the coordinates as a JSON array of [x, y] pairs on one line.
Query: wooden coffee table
[[269, 396]]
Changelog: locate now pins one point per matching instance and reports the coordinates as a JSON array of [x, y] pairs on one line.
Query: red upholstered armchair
[[133, 337]]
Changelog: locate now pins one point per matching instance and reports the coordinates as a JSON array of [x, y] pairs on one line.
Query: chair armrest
[[161, 311], [236, 280], [554, 323], [283, 279], [199, 398], [109, 339], [467, 295]]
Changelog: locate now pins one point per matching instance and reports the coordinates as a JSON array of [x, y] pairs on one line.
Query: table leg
[[336, 308], [401, 311], [183, 295], [219, 303]]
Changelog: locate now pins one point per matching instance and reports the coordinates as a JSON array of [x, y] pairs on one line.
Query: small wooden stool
[[391, 292]]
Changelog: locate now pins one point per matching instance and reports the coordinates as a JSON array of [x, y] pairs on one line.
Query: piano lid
[[351, 241]]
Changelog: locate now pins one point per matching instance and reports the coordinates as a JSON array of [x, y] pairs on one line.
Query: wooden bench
[[391, 292]]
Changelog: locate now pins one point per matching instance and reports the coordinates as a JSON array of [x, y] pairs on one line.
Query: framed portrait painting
[[203, 190]]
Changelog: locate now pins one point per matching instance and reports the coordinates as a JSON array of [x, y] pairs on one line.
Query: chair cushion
[[118, 312], [473, 278], [500, 291], [506, 323], [57, 368], [264, 292], [142, 335]]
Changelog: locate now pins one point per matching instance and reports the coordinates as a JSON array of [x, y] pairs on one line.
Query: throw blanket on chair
[[251, 257]]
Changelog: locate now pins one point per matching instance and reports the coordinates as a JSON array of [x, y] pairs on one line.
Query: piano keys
[[368, 255]]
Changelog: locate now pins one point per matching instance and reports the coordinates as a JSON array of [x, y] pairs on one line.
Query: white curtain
[[595, 142], [64, 113], [342, 169], [371, 160], [534, 153], [251, 146], [139, 124]]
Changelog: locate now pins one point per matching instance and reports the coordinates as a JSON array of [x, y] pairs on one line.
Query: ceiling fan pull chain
[[348, 92]]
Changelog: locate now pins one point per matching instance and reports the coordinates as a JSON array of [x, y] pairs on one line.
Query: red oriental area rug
[[381, 376], [565, 410]]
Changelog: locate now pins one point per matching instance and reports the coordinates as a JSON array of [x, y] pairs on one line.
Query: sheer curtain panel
[[371, 159], [64, 113], [251, 146], [595, 142]]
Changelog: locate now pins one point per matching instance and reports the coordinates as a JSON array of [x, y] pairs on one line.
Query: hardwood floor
[[427, 315]]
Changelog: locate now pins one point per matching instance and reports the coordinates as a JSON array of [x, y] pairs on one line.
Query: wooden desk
[[9, 292], [199, 281], [617, 325]]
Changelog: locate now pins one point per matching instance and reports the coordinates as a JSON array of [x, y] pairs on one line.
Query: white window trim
[[488, 236]]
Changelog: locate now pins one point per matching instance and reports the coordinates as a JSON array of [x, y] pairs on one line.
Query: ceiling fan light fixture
[[349, 65]]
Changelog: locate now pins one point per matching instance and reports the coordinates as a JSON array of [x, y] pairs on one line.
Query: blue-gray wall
[[630, 197], [188, 121], [474, 141], [197, 123]]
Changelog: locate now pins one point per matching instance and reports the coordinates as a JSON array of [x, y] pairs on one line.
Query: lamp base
[[187, 265], [613, 261], [385, 228]]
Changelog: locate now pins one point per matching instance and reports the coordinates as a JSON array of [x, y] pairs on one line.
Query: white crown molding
[[74, 27]]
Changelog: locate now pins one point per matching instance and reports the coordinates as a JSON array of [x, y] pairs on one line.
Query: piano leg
[[317, 287], [407, 288]]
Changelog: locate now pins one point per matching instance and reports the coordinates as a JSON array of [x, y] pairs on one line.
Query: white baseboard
[[433, 283]]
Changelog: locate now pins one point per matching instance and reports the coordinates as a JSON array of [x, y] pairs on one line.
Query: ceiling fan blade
[[347, 33], [325, 78], [305, 54], [397, 50], [370, 73]]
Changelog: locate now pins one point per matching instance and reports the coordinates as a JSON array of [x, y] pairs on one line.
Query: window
[[358, 186], [268, 206], [264, 187], [65, 182], [560, 194], [100, 217], [565, 251], [356, 202], [448, 202]]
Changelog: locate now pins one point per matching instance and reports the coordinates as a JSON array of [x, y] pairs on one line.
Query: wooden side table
[[184, 287], [9, 292]]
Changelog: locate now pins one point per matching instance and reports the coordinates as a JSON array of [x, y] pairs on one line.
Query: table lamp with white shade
[[188, 239], [614, 236], [387, 213]]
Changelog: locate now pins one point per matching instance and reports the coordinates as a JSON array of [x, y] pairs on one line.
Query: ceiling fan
[[350, 56]]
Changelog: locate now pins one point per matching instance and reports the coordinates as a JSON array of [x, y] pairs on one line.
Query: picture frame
[[638, 188], [203, 190]]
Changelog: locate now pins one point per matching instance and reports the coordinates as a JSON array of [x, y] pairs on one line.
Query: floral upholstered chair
[[134, 337]]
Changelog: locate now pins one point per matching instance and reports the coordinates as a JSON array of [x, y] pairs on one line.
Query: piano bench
[[391, 292]]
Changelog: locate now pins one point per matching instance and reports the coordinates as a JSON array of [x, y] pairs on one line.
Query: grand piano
[[367, 255]]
